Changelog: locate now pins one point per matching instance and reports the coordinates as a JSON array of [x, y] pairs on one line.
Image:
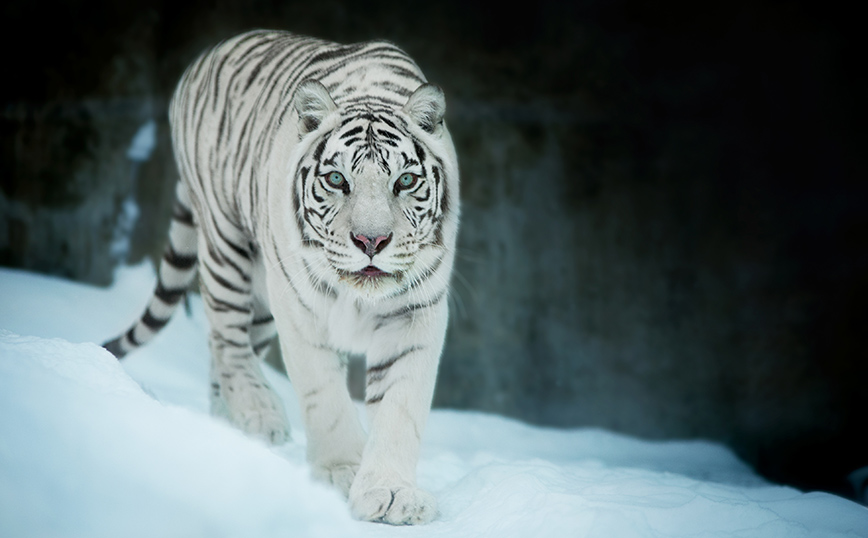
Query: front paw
[[402, 505]]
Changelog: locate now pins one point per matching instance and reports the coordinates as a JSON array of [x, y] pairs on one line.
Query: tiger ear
[[313, 103], [426, 107]]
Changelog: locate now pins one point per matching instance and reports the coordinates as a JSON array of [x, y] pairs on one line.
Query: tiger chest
[[350, 325]]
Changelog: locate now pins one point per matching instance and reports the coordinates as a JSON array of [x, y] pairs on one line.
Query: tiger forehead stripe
[[420, 153], [320, 147], [353, 131], [370, 136], [408, 162], [387, 134]]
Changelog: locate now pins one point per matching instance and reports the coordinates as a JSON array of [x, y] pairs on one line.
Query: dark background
[[664, 220]]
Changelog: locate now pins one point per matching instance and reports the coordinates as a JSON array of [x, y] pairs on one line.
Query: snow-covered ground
[[95, 448]]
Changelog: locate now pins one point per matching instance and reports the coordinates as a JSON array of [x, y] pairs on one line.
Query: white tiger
[[319, 200]]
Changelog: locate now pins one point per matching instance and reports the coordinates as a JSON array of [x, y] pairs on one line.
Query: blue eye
[[336, 180], [406, 181]]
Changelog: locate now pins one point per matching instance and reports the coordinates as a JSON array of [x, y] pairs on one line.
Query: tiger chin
[[371, 282], [317, 201]]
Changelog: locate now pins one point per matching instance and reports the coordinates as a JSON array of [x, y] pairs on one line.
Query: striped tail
[[176, 274]]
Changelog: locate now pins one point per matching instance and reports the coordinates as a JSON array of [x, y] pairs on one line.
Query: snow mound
[[85, 452], [97, 448]]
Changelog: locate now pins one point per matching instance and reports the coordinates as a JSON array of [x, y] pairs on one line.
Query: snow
[[143, 142], [139, 151], [119, 248], [93, 447]]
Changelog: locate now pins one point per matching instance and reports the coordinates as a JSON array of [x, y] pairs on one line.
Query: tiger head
[[375, 191]]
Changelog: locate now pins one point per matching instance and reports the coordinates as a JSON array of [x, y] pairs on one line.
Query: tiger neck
[[350, 324]]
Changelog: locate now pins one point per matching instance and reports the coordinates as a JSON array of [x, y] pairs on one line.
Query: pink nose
[[371, 245]]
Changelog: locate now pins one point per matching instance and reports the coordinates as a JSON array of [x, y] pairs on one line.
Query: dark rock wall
[[664, 214]]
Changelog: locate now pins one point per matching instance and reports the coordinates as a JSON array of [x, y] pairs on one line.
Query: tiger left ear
[[313, 103], [426, 107]]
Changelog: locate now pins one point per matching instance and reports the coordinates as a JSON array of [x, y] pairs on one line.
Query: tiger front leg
[[239, 391], [400, 385], [335, 437]]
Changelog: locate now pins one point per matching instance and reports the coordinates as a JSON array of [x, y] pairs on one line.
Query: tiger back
[[318, 201]]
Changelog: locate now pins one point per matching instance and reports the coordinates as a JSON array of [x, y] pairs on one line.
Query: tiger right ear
[[313, 103]]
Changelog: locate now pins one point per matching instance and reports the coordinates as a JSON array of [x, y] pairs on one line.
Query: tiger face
[[372, 192]]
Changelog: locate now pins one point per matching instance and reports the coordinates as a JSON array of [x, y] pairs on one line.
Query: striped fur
[[318, 201]]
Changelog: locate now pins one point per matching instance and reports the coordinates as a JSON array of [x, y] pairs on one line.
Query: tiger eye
[[335, 179], [407, 180]]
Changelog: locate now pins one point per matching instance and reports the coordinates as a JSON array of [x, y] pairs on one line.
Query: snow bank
[[93, 447], [85, 452]]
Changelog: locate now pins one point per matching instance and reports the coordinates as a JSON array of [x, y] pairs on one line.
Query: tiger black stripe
[[377, 372], [222, 281], [222, 340], [220, 305], [131, 337], [384, 319], [153, 323], [179, 261], [182, 214], [259, 348], [167, 295], [375, 399], [268, 56], [354, 131], [312, 243], [346, 54], [222, 258]]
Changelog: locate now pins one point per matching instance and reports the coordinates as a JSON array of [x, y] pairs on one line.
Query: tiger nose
[[370, 245]]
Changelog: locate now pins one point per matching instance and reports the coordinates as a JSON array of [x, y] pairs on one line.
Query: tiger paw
[[254, 409], [267, 424], [340, 476], [396, 506]]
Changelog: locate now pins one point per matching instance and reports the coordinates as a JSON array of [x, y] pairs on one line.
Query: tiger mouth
[[371, 271], [370, 275]]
